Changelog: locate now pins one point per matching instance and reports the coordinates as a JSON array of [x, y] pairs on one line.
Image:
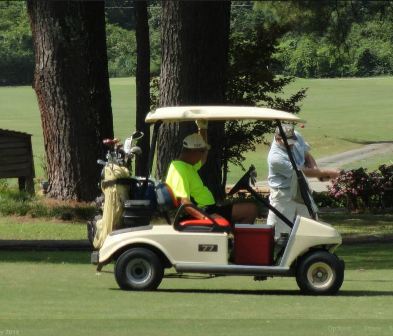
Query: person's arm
[[310, 165], [321, 174], [191, 211], [202, 130], [328, 173]]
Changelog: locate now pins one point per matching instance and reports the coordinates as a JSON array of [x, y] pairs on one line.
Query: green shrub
[[14, 202], [324, 200]]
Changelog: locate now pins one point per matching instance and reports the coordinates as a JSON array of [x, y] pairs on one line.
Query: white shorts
[[282, 200]]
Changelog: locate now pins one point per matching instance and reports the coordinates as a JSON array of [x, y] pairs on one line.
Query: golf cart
[[213, 246]]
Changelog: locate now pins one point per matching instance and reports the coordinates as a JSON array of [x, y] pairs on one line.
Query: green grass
[[47, 293], [371, 163], [341, 114], [360, 224], [21, 228]]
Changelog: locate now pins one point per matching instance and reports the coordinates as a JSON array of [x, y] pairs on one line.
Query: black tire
[[139, 269], [320, 273]]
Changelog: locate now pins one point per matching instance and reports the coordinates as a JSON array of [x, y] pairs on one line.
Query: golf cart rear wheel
[[320, 273], [139, 269]]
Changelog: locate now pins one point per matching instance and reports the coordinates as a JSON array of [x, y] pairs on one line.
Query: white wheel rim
[[138, 271], [321, 276]]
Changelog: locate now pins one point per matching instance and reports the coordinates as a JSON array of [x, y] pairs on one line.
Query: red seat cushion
[[221, 221]]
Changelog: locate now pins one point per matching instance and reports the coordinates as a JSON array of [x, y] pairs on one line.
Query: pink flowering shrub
[[360, 190]]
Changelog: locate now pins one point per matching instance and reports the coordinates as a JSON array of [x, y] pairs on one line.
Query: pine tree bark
[[72, 87], [142, 83], [194, 47]]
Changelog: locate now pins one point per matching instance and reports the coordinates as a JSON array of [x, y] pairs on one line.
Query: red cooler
[[254, 244]]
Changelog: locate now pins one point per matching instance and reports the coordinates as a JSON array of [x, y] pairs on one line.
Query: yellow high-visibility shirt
[[185, 182]]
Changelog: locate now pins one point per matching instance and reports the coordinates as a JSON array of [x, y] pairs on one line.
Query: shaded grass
[[45, 257], [360, 224]]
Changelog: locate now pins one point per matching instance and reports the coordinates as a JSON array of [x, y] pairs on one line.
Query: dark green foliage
[[325, 200], [121, 49], [16, 49], [335, 38], [121, 41], [120, 13]]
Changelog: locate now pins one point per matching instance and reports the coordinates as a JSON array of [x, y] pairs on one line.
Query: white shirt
[[280, 167]]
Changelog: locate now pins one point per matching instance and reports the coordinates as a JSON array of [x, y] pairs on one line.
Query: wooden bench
[[16, 158]]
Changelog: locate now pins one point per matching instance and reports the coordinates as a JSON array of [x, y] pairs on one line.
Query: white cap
[[194, 141], [289, 132]]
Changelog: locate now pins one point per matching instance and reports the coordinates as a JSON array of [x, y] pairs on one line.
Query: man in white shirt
[[282, 175]]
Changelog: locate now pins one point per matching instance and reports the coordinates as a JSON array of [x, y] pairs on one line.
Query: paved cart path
[[342, 159]]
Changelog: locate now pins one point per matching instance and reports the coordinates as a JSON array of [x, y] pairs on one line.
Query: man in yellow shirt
[[187, 185]]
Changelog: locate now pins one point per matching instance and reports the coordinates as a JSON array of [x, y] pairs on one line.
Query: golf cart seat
[[167, 201], [208, 224], [205, 225]]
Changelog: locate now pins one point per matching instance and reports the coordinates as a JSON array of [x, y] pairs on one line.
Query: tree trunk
[[72, 86], [142, 83], [194, 44]]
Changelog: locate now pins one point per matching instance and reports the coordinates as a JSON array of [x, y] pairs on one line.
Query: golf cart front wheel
[[320, 273], [139, 269]]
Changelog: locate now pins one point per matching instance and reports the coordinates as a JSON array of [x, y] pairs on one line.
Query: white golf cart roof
[[190, 113]]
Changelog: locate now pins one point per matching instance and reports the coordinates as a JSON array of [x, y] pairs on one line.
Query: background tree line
[[314, 38]]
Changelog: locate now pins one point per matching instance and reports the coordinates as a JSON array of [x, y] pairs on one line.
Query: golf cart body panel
[[178, 247], [191, 113], [306, 234]]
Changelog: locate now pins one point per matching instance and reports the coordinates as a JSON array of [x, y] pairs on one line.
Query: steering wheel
[[249, 178]]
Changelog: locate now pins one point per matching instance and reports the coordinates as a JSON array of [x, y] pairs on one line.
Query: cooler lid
[[253, 226]]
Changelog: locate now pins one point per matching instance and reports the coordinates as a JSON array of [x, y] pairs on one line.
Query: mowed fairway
[[58, 293], [341, 114]]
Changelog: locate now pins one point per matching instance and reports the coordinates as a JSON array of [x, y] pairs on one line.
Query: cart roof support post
[[152, 150]]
